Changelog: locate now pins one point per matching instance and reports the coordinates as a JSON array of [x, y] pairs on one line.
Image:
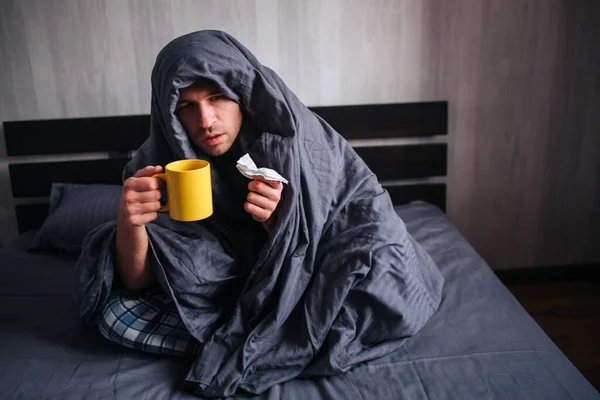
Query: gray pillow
[[74, 210]]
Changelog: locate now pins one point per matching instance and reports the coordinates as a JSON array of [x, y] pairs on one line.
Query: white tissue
[[247, 167]]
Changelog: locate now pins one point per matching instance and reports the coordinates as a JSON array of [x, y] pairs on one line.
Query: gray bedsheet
[[481, 344]]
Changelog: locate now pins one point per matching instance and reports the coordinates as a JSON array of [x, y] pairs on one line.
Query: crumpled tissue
[[249, 169]]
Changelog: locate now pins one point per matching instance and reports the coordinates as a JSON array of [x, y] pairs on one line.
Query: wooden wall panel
[[521, 80]]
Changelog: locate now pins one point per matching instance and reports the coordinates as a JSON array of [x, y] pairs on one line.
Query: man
[[306, 280], [212, 121]]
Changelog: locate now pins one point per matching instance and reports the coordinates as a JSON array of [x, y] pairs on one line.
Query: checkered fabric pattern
[[149, 323]]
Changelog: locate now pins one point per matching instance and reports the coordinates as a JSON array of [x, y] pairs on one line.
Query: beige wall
[[521, 77]]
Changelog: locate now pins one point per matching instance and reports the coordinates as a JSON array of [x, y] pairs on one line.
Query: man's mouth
[[213, 139]]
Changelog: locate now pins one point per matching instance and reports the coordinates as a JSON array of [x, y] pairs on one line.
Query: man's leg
[[149, 323]]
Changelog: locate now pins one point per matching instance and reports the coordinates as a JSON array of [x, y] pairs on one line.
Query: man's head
[[211, 120], [252, 92]]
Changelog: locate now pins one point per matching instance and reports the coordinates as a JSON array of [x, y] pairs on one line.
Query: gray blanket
[[339, 280]]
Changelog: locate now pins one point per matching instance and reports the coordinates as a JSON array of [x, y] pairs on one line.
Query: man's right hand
[[140, 202], [140, 199]]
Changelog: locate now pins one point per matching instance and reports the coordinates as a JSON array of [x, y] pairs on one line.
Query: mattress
[[481, 344]]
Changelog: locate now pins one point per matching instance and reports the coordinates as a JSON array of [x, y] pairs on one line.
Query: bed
[[480, 344]]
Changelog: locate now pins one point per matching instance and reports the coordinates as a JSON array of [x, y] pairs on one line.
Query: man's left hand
[[262, 201]]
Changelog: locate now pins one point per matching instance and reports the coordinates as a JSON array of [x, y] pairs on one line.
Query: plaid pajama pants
[[149, 323]]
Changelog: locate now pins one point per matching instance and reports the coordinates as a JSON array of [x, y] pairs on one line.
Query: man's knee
[[119, 323], [149, 323]]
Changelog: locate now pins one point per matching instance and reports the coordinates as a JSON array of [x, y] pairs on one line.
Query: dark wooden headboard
[[403, 144]]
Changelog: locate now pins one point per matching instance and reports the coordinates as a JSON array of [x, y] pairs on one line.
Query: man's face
[[211, 120]]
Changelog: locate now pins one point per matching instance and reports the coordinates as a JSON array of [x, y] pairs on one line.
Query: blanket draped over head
[[339, 280]]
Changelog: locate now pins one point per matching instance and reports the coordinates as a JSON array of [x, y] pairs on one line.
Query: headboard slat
[[388, 163], [405, 162], [35, 179], [124, 133], [76, 135], [387, 120]]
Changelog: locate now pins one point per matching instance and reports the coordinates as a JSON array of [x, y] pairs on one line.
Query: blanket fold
[[339, 281]]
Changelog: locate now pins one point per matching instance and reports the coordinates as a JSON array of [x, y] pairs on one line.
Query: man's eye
[[217, 97]]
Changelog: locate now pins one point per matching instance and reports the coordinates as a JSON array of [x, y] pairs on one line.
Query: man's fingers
[[143, 184], [266, 189], [142, 197], [276, 185], [141, 213], [258, 214], [261, 201], [135, 208], [140, 200], [273, 184], [148, 171], [142, 181], [144, 208]]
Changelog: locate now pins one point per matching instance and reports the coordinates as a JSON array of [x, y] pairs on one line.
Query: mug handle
[[163, 177]]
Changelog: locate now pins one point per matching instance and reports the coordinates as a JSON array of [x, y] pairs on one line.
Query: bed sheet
[[481, 344]]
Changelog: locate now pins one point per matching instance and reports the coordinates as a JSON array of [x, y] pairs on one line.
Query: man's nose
[[207, 116]]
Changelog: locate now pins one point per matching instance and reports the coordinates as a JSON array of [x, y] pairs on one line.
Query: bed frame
[[404, 145]]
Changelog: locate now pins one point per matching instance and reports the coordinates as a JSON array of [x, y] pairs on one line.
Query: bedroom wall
[[521, 78]]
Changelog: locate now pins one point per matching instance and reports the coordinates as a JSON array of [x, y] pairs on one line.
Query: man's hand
[[140, 199], [262, 201]]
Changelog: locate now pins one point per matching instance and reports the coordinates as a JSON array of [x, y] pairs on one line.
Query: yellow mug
[[189, 190]]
